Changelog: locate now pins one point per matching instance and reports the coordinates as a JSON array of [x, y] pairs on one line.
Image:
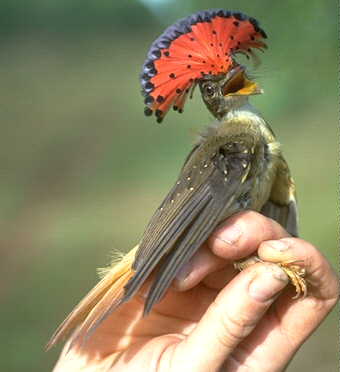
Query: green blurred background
[[83, 169]]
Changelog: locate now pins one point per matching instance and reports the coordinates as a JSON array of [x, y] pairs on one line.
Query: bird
[[236, 164]]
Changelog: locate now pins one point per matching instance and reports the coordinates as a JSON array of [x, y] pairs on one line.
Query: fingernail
[[230, 234], [279, 245], [268, 283]]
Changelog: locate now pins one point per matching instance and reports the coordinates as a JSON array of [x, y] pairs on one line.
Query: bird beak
[[237, 84]]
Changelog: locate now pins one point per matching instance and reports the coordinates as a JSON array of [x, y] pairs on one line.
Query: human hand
[[215, 318]]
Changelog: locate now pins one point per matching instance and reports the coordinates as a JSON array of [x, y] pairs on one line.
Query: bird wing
[[209, 188], [282, 204]]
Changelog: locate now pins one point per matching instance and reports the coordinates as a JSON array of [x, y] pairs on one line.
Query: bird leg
[[294, 272]]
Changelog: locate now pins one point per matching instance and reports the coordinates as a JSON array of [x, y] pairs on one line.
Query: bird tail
[[104, 298]]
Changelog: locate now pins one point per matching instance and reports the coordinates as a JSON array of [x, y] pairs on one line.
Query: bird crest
[[193, 48]]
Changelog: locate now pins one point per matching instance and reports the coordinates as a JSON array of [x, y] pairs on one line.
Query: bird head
[[200, 50], [225, 92]]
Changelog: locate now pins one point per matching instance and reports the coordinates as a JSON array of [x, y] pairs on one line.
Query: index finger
[[239, 236], [242, 234]]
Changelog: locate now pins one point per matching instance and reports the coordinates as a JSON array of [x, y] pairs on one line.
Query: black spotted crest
[[201, 44]]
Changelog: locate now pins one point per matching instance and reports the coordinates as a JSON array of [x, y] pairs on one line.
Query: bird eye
[[209, 90]]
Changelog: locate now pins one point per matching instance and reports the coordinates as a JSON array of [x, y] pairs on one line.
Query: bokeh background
[[82, 169]]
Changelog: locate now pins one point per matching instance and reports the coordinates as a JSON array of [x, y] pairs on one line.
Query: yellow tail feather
[[98, 303]]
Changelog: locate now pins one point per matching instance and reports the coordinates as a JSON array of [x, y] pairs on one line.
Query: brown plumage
[[93, 308]]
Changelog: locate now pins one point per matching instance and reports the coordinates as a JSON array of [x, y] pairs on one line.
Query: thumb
[[230, 318]]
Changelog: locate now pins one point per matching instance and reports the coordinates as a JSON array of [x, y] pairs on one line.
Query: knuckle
[[252, 215], [234, 326], [265, 227], [323, 281], [270, 228], [316, 305], [246, 217]]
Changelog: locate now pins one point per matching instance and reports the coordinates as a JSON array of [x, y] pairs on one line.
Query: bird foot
[[294, 272]]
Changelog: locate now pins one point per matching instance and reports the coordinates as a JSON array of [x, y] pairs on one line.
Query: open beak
[[238, 84]]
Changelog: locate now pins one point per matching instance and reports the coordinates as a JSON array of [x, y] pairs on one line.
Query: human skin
[[215, 318]]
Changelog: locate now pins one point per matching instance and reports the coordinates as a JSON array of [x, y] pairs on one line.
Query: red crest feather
[[202, 44]]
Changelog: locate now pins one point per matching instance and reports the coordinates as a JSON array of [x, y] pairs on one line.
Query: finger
[[242, 233], [290, 322], [322, 282], [198, 267], [238, 237], [231, 317], [219, 279]]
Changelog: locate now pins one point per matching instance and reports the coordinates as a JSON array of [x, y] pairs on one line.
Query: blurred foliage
[[82, 168]]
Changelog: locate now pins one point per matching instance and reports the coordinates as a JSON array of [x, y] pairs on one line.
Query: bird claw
[[241, 265], [296, 275], [294, 272]]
